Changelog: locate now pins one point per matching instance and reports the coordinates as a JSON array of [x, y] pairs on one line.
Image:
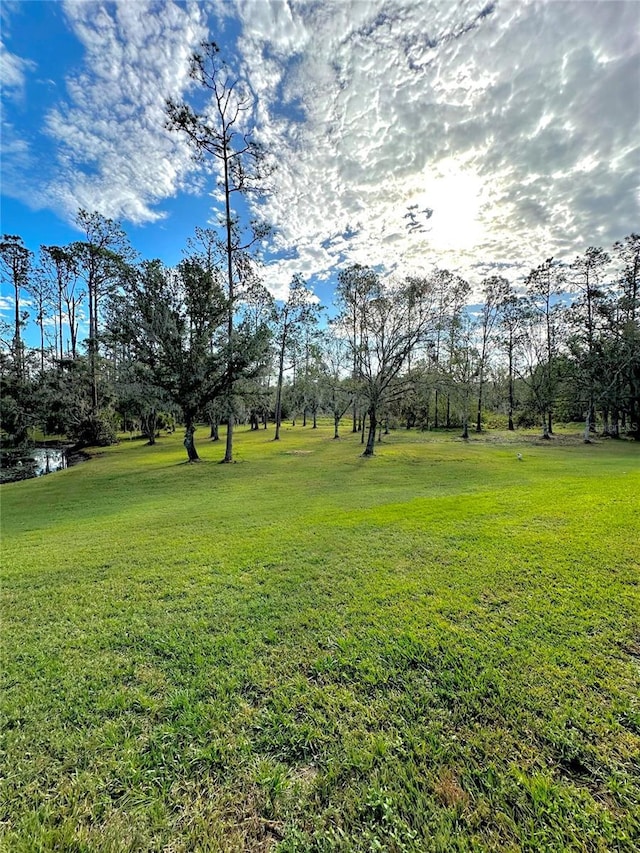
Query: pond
[[35, 462]]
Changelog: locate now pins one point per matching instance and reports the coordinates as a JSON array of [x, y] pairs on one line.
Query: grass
[[437, 649]]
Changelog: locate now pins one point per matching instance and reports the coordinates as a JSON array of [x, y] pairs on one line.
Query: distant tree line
[[563, 347]]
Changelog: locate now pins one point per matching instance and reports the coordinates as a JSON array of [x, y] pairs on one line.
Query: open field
[[437, 649]]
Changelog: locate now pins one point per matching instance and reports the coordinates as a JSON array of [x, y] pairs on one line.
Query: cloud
[[13, 72], [515, 123], [485, 113], [14, 150], [113, 154]]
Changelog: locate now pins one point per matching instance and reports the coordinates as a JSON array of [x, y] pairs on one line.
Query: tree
[[457, 334], [173, 323], [544, 284], [494, 288], [627, 252], [38, 289], [219, 133], [140, 398], [511, 321], [296, 311], [58, 266], [65, 404], [252, 313], [338, 389], [464, 367], [356, 284], [310, 367], [17, 402], [167, 319], [587, 312], [102, 260], [393, 319], [16, 262], [444, 283]]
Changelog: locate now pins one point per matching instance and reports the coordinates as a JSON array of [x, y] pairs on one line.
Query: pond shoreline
[[38, 460]]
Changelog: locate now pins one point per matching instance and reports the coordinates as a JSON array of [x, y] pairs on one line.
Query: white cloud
[[114, 154], [14, 150], [13, 72], [516, 124]]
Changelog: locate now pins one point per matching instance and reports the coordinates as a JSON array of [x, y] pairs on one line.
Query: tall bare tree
[[544, 284], [101, 260], [459, 290], [221, 133], [588, 281], [395, 319], [511, 323], [356, 285], [494, 288], [296, 311], [16, 262], [58, 266], [627, 252]]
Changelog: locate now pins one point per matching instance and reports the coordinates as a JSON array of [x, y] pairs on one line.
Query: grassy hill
[[437, 649]]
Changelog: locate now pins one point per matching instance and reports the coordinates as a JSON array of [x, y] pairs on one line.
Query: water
[[22, 465]]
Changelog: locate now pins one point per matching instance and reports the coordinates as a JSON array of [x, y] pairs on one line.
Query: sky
[[477, 136]]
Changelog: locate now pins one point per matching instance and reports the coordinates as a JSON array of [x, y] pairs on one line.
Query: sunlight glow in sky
[[516, 123]]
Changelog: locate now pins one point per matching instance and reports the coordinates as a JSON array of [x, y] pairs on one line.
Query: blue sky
[[516, 123]]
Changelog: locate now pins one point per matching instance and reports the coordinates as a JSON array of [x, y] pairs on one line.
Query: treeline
[[180, 345]]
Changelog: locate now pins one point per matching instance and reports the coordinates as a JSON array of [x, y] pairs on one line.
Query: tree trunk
[[149, 427], [371, 437], [336, 425], [93, 340], [17, 341], [228, 451], [73, 330], [511, 401], [190, 444], [279, 389], [60, 321], [479, 414], [615, 423], [42, 345], [545, 427], [588, 422]]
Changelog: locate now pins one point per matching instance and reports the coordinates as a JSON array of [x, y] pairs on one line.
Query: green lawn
[[437, 649]]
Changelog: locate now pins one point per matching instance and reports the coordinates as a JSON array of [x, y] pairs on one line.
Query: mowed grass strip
[[435, 649]]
